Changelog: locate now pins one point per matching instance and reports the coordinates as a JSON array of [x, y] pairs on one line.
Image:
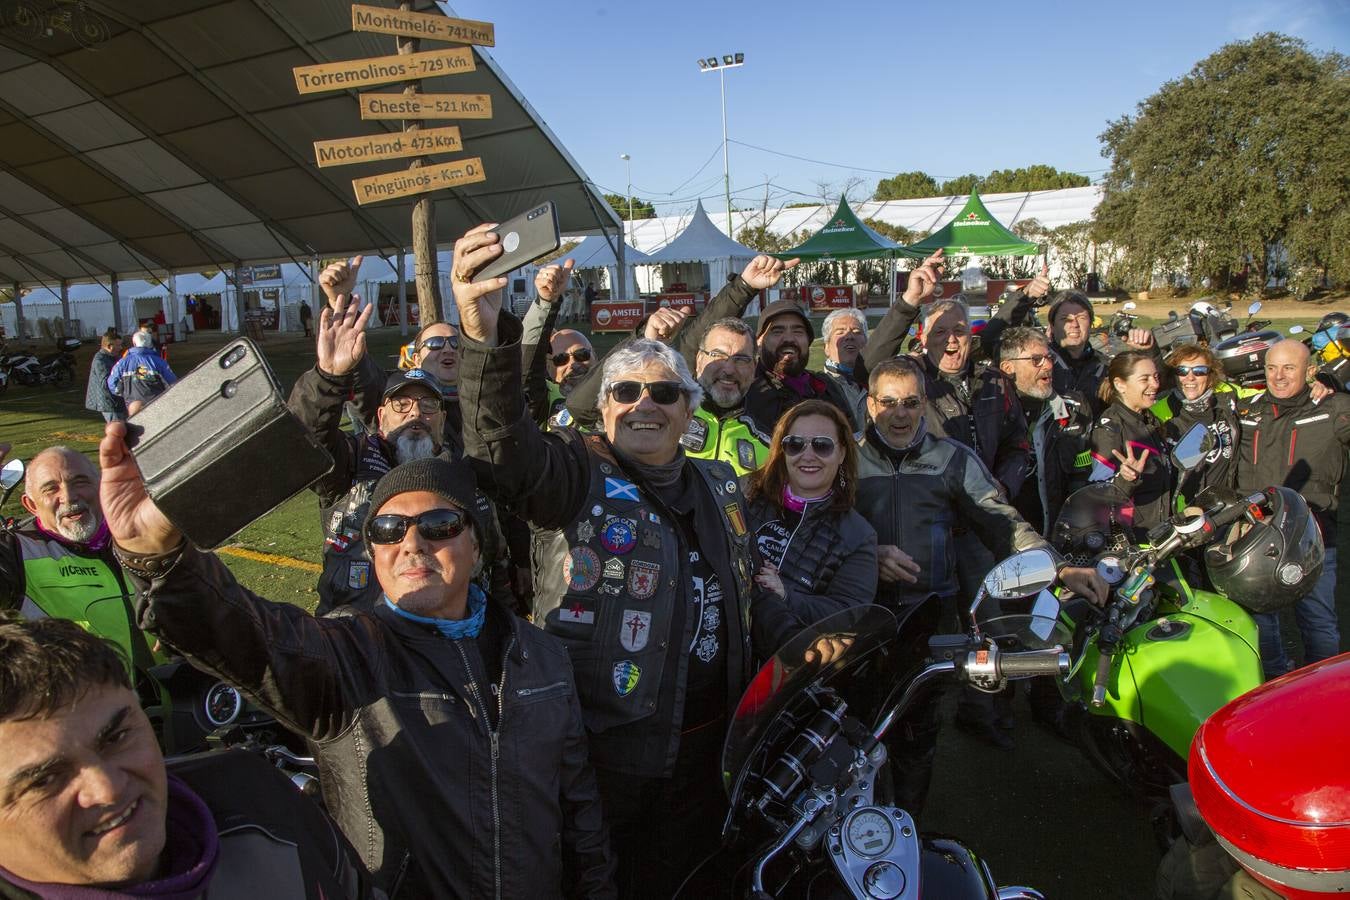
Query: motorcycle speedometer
[[222, 704], [870, 833]]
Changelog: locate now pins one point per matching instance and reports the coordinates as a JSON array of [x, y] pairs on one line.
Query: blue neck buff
[[454, 629], [838, 367]]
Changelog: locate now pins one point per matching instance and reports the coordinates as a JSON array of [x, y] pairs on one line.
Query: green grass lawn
[[34, 418]]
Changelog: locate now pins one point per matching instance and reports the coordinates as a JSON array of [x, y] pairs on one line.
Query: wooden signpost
[[426, 106], [413, 107], [402, 23]]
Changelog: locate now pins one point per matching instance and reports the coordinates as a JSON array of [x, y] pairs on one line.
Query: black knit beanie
[[452, 480]]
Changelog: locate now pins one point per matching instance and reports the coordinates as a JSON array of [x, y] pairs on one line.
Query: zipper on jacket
[[494, 738], [529, 692]]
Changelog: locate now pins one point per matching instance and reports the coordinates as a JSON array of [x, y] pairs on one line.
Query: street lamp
[[628, 164], [709, 64]]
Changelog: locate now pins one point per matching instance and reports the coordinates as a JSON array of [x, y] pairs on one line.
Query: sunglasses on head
[[440, 342], [1192, 370], [580, 355], [795, 444], [432, 525], [663, 392]]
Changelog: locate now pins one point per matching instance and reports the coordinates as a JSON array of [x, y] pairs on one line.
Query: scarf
[[1197, 406], [97, 544], [659, 477], [837, 368], [453, 629], [798, 504], [898, 453]]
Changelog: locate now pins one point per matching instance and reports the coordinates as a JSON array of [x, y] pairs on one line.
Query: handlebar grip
[[1103, 673], [1034, 662]]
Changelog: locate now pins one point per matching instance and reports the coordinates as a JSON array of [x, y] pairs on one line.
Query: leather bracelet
[[149, 565]]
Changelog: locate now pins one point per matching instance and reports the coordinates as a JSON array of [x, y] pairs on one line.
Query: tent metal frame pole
[[18, 313]]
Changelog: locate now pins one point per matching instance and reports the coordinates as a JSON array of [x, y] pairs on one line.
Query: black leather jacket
[[1147, 500], [436, 800]]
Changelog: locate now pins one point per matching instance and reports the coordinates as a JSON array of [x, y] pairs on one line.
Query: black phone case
[[219, 448], [536, 233]]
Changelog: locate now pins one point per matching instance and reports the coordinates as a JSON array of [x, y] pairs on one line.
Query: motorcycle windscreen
[[1093, 521], [862, 629]]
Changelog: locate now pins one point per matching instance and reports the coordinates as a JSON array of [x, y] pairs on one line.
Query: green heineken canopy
[[845, 237], [974, 232]]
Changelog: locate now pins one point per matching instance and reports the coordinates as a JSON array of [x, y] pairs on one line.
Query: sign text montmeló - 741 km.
[[401, 23], [382, 70], [418, 181]]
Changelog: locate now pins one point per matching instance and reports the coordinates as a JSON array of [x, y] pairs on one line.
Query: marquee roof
[[701, 240], [153, 135]]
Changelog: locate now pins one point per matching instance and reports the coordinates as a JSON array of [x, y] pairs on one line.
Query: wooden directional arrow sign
[[422, 25], [382, 70], [426, 106], [371, 148], [418, 181]]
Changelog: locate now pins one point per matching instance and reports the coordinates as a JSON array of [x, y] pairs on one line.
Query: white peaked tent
[[700, 244], [595, 252]]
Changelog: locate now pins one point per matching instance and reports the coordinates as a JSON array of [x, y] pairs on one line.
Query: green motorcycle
[[1162, 655]]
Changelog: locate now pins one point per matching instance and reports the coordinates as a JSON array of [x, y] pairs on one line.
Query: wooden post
[[65, 308], [238, 301], [19, 333], [423, 216], [117, 307]]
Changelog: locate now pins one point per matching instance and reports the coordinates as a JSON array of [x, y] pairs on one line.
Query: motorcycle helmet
[[1328, 329], [1269, 562]]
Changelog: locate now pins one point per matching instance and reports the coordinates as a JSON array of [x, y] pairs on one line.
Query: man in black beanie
[[448, 732]]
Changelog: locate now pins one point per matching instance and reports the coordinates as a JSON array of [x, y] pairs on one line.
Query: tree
[[1031, 178], [906, 186], [642, 209], [759, 237], [1247, 151], [962, 185], [896, 233]]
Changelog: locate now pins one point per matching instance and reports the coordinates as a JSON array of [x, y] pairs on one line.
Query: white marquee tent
[[700, 256]]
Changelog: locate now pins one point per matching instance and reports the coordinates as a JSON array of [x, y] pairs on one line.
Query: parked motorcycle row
[[30, 370]]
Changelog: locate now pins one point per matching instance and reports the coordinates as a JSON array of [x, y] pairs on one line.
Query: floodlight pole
[[729, 61], [628, 164]]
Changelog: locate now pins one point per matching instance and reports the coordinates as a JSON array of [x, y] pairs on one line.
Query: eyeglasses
[[432, 525], [739, 359], [663, 392], [1191, 370], [439, 342], [403, 405], [892, 402], [580, 355], [794, 444], [1036, 359]]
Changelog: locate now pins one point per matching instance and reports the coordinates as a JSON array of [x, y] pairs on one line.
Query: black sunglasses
[[795, 444], [663, 392], [580, 355], [440, 342], [1192, 370], [433, 525]]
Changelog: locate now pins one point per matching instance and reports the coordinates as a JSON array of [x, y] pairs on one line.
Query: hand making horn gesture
[[923, 280], [1131, 466]]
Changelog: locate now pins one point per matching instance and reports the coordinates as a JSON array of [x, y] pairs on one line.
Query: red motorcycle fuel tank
[[1270, 773]]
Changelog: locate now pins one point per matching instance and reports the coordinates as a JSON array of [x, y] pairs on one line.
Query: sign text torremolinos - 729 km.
[[382, 70]]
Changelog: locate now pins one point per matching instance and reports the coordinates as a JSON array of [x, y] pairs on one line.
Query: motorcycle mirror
[[1021, 574], [1129, 305], [11, 474], [1254, 308], [1194, 445], [1295, 329]]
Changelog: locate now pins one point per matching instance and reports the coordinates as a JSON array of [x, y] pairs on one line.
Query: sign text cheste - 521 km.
[[426, 106]]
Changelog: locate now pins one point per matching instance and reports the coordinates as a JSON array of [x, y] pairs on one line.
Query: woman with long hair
[[1128, 443], [814, 549], [1200, 395]]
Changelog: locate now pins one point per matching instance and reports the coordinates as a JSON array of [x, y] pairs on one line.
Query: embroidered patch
[[643, 577], [614, 569], [585, 532], [620, 535], [619, 489], [651, 538], [627, 674], [597, 509], [695, 437], [733, 511], [358, 575], [576, 613], [581, 569], [633, 629], [562, 418], [731, 487], [608, 589], [745, 454], [606, 469]]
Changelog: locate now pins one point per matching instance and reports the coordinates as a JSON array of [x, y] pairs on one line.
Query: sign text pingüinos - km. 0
[[418, 181]]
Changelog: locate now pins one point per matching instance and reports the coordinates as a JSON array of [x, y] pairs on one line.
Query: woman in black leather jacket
[[813, 548], [1201, 397], [1129, 448]]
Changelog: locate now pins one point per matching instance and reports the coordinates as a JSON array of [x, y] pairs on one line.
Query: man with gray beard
[[59, 562], [409, 425]]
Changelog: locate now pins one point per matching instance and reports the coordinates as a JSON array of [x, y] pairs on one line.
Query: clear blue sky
[[868, 85]]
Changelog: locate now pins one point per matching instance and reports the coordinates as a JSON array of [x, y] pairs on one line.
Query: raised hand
[[339, 278], [551, 281], [664, 323], [764, 271], [135, 522], [923, 280], [1040, 285], [1131, 466], [480, 303], [342, 334], [1139, 338]]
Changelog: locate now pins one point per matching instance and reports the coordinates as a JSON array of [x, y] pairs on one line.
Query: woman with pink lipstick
[[1128, 442], [813, 548]]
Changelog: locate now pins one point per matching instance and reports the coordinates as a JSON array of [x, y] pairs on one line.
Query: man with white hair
[[642, 567], [59, 562], [141, 375], [844, 332]]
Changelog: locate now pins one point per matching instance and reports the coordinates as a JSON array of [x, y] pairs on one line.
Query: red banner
[[616, 316], [678, 300], [824, 297]]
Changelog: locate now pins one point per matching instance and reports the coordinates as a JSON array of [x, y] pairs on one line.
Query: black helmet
[[1331, 320], [1268, 564]]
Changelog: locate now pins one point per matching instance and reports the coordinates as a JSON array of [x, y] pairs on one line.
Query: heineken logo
[[970, 219]]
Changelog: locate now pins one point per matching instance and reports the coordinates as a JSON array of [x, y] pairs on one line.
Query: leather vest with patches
[[734, 440], [607, 586], [348, 574]]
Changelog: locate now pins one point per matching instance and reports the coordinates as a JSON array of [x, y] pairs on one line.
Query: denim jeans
[[1316, 617]]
